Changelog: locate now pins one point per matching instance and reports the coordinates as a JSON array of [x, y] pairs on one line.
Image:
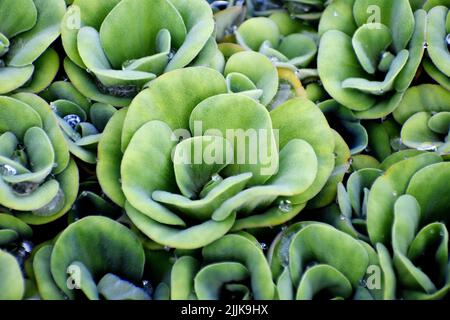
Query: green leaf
[[12, 78], [342, 165], [191, 173], [193, 237], [48, 290], [110, 157], [146, 19], [298, 169], [436, 33], [252, 33], [369, 43], [323, 278], [259, 69], [299, 48], [17, 16], [430, 187], [334, 69], [86, 283], [301, 119], [86, 240], [84, 83], [171, 98], [138, 183], [113, 288], [323, 244], [182, 278], [387, 189], [210, 279], [379, 87], [91, 51], [426, 97], [82, 13], [28, 46], [14, 225], [46, 68], [199, 22], [235, 248], [250, 131], [12, 285], [396, 15]]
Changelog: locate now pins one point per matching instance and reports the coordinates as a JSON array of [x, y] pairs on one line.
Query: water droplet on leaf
[[7, 170], [72, 120], [27, 246], [285, 206], [147, 287]]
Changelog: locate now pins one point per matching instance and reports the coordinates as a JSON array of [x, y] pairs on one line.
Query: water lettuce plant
[[233, 267], [38, 180], [278, 37], [380, 45], [111, 65], [190, 204], [81, 121], [312, 260], [424, 114], [27, 29], [78, 258]]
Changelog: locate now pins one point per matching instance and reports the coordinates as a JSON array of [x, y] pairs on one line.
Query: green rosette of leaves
[[395, 181], [438, 41], [38, 180], [252, 74], [380, 45], [231, 268], [189, 204], [408, 210], [287, 42], [312, 260], [424, 114], [94, 258], [81, 121], [115, 47], [420, 244], [27, 29]]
